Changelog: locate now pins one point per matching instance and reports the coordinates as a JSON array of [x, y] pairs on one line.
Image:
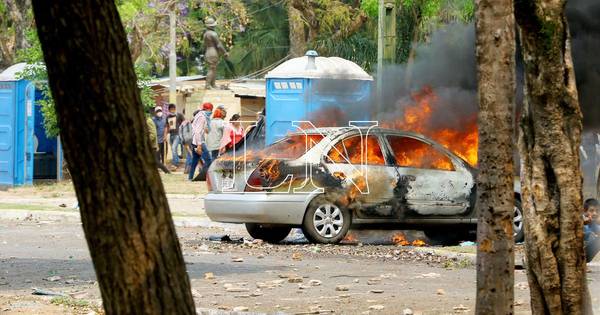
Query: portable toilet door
[[16, 131]]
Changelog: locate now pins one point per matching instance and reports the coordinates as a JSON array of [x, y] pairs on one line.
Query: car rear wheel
[[268, 233], [326, 222], [519, 234]]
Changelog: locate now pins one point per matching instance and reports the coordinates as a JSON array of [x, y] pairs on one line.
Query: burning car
[[327, 180]]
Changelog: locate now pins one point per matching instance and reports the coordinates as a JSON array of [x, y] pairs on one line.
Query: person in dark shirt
[[174, 120], [591, 228], [160, 121]]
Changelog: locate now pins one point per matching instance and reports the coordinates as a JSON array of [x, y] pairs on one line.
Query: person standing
[[199, 149], [160, 122], [214, 48], [213, 141], [174, 121], [152, 136], [232, 134]]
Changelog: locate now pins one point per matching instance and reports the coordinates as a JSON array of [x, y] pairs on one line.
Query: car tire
[[518, 224], [268, 233], [326, 221]]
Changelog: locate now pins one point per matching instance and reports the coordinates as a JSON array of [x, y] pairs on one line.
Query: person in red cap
[[200, 126]]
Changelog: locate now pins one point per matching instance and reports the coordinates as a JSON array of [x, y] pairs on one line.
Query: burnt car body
[[327, 180]]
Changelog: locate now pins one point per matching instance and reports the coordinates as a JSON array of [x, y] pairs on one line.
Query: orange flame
[[418, 243], [417, 118], [400, 240], [350, 238]]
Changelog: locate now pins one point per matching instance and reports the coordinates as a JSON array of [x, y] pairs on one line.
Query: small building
[[327, 91], [252, 95]]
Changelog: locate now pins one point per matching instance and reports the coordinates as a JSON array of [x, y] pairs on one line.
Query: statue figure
[[213, 49]]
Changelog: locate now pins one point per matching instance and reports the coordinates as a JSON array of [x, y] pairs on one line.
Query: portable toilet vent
[[327, 91], [16, 128]]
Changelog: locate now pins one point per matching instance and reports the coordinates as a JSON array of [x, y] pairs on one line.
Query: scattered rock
[[356, 280], [431, 275], [295, 280], [342, 288], [440, 292], [374, 281], [376, 291], [407, 311], [377, 307], [460, 308], [236, 289], [296, 256], [237, 259], [53, 278], [242, 296], [315, 283], [209, 276], [522, 285], [518, 303]]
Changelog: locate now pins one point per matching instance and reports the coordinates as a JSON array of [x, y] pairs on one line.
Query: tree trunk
[[124, 211], [495, 48], [550, 135], [18, 11], [297, 32]]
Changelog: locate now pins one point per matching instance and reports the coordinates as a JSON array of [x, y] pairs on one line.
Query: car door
[[430, 181], [367, 179]]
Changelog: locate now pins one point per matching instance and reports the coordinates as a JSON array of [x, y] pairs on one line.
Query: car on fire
[[328, 180]]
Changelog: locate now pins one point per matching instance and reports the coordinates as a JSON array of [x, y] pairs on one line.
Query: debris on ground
[[53, 278], [209, 276], [467, 243], [440, 292], [37, 291], [237, 259], [377, 307], [342, 288], [407, 311]]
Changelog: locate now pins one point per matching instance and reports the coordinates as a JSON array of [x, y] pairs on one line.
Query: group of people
[[202, 139]]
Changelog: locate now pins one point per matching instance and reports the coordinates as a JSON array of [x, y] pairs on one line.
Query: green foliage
[[370, 7], [35, 71], [264, 42]]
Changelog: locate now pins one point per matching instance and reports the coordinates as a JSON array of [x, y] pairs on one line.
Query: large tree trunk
[[297, 32], [550, 135], [495, 46], [19, 10], [124, 211]]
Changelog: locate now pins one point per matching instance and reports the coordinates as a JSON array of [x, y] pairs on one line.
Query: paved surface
[[42, 246]]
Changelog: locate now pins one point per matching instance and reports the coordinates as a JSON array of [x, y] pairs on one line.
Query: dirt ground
[[47, 255]]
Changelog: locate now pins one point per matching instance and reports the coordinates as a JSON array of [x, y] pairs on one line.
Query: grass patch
[[20, 206], [462, 249], [69, 302], [458, 264], [173, 184]]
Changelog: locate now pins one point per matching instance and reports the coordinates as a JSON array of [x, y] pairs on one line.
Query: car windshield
[[292, 147]]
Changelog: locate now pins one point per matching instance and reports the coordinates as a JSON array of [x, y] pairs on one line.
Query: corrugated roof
[[323, 68]]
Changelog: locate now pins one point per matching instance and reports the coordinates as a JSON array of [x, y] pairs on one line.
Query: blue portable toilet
[[16, 128], [328, 91]]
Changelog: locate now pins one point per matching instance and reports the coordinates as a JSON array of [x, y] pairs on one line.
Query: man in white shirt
[[199, 149]]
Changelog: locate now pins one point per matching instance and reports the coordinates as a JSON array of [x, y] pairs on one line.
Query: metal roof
[[314, 67]]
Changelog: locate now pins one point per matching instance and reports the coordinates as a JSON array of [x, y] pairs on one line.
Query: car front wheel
[[268, 233], [518, 222], [326, 222]]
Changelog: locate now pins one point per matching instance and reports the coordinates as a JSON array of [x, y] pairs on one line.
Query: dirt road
[[293, 278]]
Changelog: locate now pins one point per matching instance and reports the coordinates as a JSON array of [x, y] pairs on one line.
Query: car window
[[410, 152], [352, 150], [292, 147]]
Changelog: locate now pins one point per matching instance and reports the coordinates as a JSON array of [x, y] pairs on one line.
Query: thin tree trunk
[[550, 135], [495, 48], [124, 211], [297, 32]]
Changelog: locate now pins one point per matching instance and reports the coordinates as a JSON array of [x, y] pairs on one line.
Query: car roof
[[327, 131]]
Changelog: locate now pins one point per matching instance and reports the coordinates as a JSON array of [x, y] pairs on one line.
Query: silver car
[[327, 180]]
